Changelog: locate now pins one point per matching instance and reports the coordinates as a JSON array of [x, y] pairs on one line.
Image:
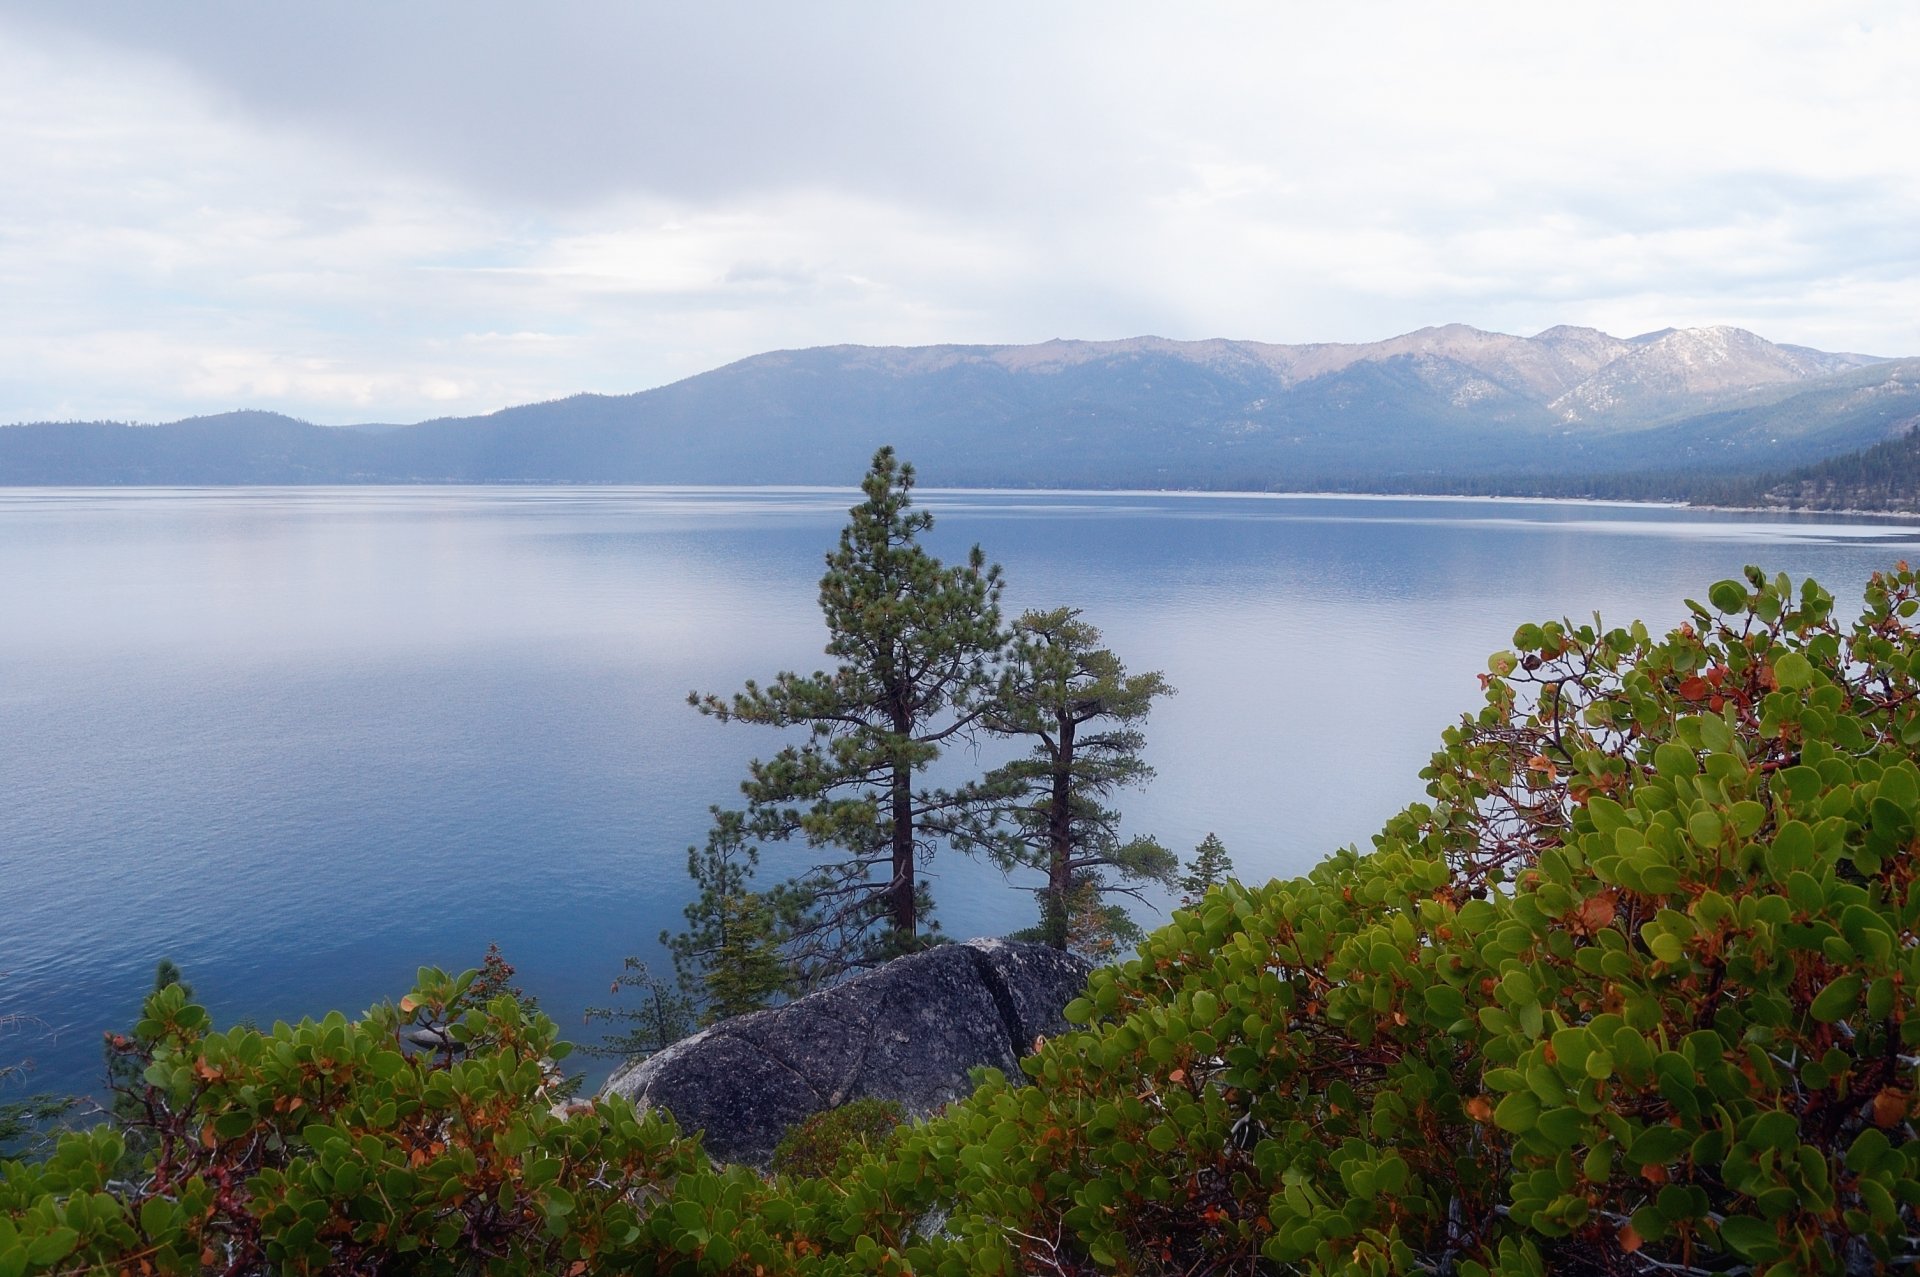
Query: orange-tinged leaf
[[1177, 1076], [1629, 1240], [407, 1004], [1596, 912], [1480, 1109], [1889, 1107], [207, 1138]]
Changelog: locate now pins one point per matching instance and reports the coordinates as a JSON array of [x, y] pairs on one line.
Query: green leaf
[[1752, 1238], [158, 1217], [1837, 999], [1659, 1145], [51, 1246], [1671, 759], [1518, 1112], [1792, 671], [1705, 828], [1563, 1126], [1728, 596], [1446, 1002]]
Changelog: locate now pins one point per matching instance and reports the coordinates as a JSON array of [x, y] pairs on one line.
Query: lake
[[304, 740]]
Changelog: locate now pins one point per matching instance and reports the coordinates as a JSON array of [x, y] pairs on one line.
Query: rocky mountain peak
[[1680, 364]]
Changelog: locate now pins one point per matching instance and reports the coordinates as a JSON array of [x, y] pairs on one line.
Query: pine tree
[[915, 643], [1076, 703], [664, 1016], [730, 959], [1209, 868]]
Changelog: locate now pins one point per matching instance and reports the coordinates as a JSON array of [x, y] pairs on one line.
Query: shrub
[[828, 1142], [408, 1138], [1634, 992]]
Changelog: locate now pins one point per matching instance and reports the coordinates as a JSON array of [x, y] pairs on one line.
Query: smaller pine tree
[[730, 958], [1080, 713], [663, 1017], [1210, 867]]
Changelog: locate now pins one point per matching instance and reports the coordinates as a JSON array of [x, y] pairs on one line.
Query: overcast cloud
[[369, 211]]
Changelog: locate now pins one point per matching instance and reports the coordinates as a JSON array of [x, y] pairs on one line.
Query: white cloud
[[358, 211]]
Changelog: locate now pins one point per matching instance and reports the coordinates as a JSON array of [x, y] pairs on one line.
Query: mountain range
[[1430, 409]]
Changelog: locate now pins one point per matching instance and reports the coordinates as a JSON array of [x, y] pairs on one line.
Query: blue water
[[304, 740]]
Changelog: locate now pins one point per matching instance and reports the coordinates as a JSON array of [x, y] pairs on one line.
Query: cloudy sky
[[359, 211]]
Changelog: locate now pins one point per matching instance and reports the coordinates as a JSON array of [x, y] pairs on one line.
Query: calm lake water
[[304, 740]]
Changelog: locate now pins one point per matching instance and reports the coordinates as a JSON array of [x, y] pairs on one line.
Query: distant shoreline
[[823, 489]]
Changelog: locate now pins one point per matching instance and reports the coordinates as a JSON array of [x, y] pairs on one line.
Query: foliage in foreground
[[830, 1142], [1634, 992]]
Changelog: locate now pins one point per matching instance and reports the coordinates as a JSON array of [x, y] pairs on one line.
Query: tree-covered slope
[[234, 447], [1883, 477]]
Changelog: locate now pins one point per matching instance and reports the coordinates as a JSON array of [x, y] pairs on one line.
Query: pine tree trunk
[[1060, 841], [904, 892]]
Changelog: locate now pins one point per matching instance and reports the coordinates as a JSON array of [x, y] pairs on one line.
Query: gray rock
[[910, 1031]]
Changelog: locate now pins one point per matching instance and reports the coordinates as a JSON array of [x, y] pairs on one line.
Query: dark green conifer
[[1209, 868], [663, 1016], [915, 643], [730, 958], [1081, 711]]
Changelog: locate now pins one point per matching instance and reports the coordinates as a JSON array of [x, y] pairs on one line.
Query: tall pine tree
[[1074, 701], [916, 644]]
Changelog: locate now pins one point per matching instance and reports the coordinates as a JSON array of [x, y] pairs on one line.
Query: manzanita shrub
[[1633, 992], [424, 1138]]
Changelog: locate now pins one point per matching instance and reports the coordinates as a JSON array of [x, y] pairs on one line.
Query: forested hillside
[[1883, 477]]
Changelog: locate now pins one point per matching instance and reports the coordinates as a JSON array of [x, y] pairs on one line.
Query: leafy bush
[[829, 1142], [1634, 992], [333, 1146]]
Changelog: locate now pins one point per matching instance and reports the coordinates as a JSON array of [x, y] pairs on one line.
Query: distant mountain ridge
[[1446, 402]]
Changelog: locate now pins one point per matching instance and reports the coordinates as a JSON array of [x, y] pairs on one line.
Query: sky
[[362, 211]]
